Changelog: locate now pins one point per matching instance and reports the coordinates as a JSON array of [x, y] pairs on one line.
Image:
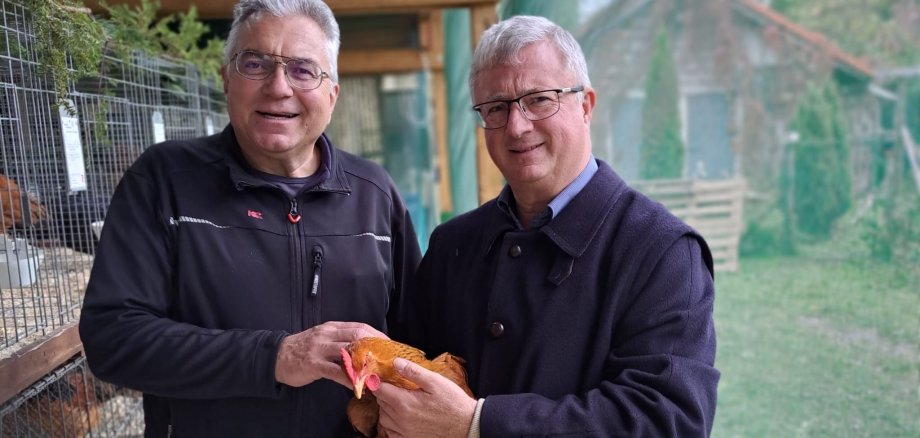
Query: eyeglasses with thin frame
[[300, 73], [535, 106]]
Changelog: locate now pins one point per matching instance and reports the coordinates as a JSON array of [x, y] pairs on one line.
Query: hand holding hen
[[369, 361]]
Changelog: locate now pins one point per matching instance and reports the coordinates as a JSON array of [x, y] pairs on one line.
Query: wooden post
[[489, 179], [434, 47], [912, 152], [27, 366]]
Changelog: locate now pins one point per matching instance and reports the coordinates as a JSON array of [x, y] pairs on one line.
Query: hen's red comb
[[349, 367]]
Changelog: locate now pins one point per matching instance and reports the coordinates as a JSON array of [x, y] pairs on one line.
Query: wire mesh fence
[[71, 402], [59, 166]]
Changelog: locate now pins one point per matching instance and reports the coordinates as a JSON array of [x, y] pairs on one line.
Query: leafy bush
[[766, 235], [137, 28], [71, 42], [891, 228], [65, 32]]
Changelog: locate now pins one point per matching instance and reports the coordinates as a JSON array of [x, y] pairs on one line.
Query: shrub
[[766, 234], [891, 228], [820, 179], [661, 154]]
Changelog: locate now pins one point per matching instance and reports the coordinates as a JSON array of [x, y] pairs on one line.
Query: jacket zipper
[[301, 298], [317, 269], [316, 299], [294, 215]]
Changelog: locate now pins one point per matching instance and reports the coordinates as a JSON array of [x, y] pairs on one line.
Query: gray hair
[[251, 10], [502, 42]]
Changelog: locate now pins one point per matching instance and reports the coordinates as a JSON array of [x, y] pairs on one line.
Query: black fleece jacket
[[201, 272]]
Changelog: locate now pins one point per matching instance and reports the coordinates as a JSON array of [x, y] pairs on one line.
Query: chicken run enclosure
[[58, 168]]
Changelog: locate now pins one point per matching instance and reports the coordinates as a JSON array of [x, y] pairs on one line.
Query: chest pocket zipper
[[315, 287], [317, 269]]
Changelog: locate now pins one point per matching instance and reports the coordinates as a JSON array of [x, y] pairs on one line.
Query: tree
[[820, 180], [661, 154]]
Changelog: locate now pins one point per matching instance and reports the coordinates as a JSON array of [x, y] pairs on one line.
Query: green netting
[[461, 124], [408, 139], [565, 13]]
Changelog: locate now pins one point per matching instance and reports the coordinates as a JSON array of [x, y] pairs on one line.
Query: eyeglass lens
[[535, 106], [300, 73]]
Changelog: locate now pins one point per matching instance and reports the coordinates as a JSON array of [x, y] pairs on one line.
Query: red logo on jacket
[[254, 214]]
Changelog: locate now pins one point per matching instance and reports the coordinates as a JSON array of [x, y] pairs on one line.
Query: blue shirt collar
[[506, 203]]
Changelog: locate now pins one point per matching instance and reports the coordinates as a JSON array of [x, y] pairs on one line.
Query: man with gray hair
[[233, 268], [582, 308]]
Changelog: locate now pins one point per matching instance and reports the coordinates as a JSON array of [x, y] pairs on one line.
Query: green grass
[[818, 346]]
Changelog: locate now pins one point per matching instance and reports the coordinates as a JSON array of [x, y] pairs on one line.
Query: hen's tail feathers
[[451, 366]]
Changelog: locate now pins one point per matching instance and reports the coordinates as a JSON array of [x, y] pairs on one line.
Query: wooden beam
[[489, 179], [912, 152], [222, 9], [433, 32], [388, 6], [27, 366], [378, 61]]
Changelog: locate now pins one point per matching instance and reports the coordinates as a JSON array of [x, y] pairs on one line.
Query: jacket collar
[[242, 177], [575, 227]]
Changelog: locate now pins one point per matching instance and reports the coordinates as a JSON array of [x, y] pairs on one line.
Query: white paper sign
[[73, 149], [159, 128]]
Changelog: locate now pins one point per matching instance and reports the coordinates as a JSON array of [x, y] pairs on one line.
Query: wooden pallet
[[712, 207]]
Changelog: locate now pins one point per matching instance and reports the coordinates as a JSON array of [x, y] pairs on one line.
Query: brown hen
[[369, 361], [12, 203]]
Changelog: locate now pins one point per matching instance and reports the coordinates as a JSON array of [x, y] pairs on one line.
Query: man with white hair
[[581, 307], [233, 268]]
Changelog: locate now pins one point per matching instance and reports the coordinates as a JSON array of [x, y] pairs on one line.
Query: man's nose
[[517, 121], [277, 80]]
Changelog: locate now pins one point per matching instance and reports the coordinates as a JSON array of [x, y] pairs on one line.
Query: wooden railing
[[712, 207], [912, 152]]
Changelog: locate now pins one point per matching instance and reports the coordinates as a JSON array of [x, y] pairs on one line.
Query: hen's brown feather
[[376, 356], [12, 203], [363, 413]]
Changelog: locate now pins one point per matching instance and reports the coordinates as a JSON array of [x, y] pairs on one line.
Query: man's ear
[[333, 94], [225, 76], [587, 104]]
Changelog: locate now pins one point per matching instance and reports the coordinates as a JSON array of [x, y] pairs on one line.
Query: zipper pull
[[294, 215], [317, 266]]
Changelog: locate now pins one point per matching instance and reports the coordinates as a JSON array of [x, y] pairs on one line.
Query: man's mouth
[[525, 149], [276, 115]]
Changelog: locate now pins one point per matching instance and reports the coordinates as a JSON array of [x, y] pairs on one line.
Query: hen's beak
[[359, 386]]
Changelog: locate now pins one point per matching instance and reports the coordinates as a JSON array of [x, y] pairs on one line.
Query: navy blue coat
[[597, 324]]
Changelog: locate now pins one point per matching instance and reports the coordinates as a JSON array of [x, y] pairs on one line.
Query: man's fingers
[[416, 373], [349, 331], [364, 331], [339, 377]]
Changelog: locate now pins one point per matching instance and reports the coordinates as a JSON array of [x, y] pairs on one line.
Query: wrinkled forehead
[[512, 80], [540, 57], [292, 36]]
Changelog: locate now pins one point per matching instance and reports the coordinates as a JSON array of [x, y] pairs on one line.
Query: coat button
[[496, 329], [515, 251]]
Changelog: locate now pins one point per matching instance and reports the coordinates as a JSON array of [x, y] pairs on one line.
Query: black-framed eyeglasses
[[535, 106], [300, 73]]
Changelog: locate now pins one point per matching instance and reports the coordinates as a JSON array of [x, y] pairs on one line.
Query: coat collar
[[575, 227]]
